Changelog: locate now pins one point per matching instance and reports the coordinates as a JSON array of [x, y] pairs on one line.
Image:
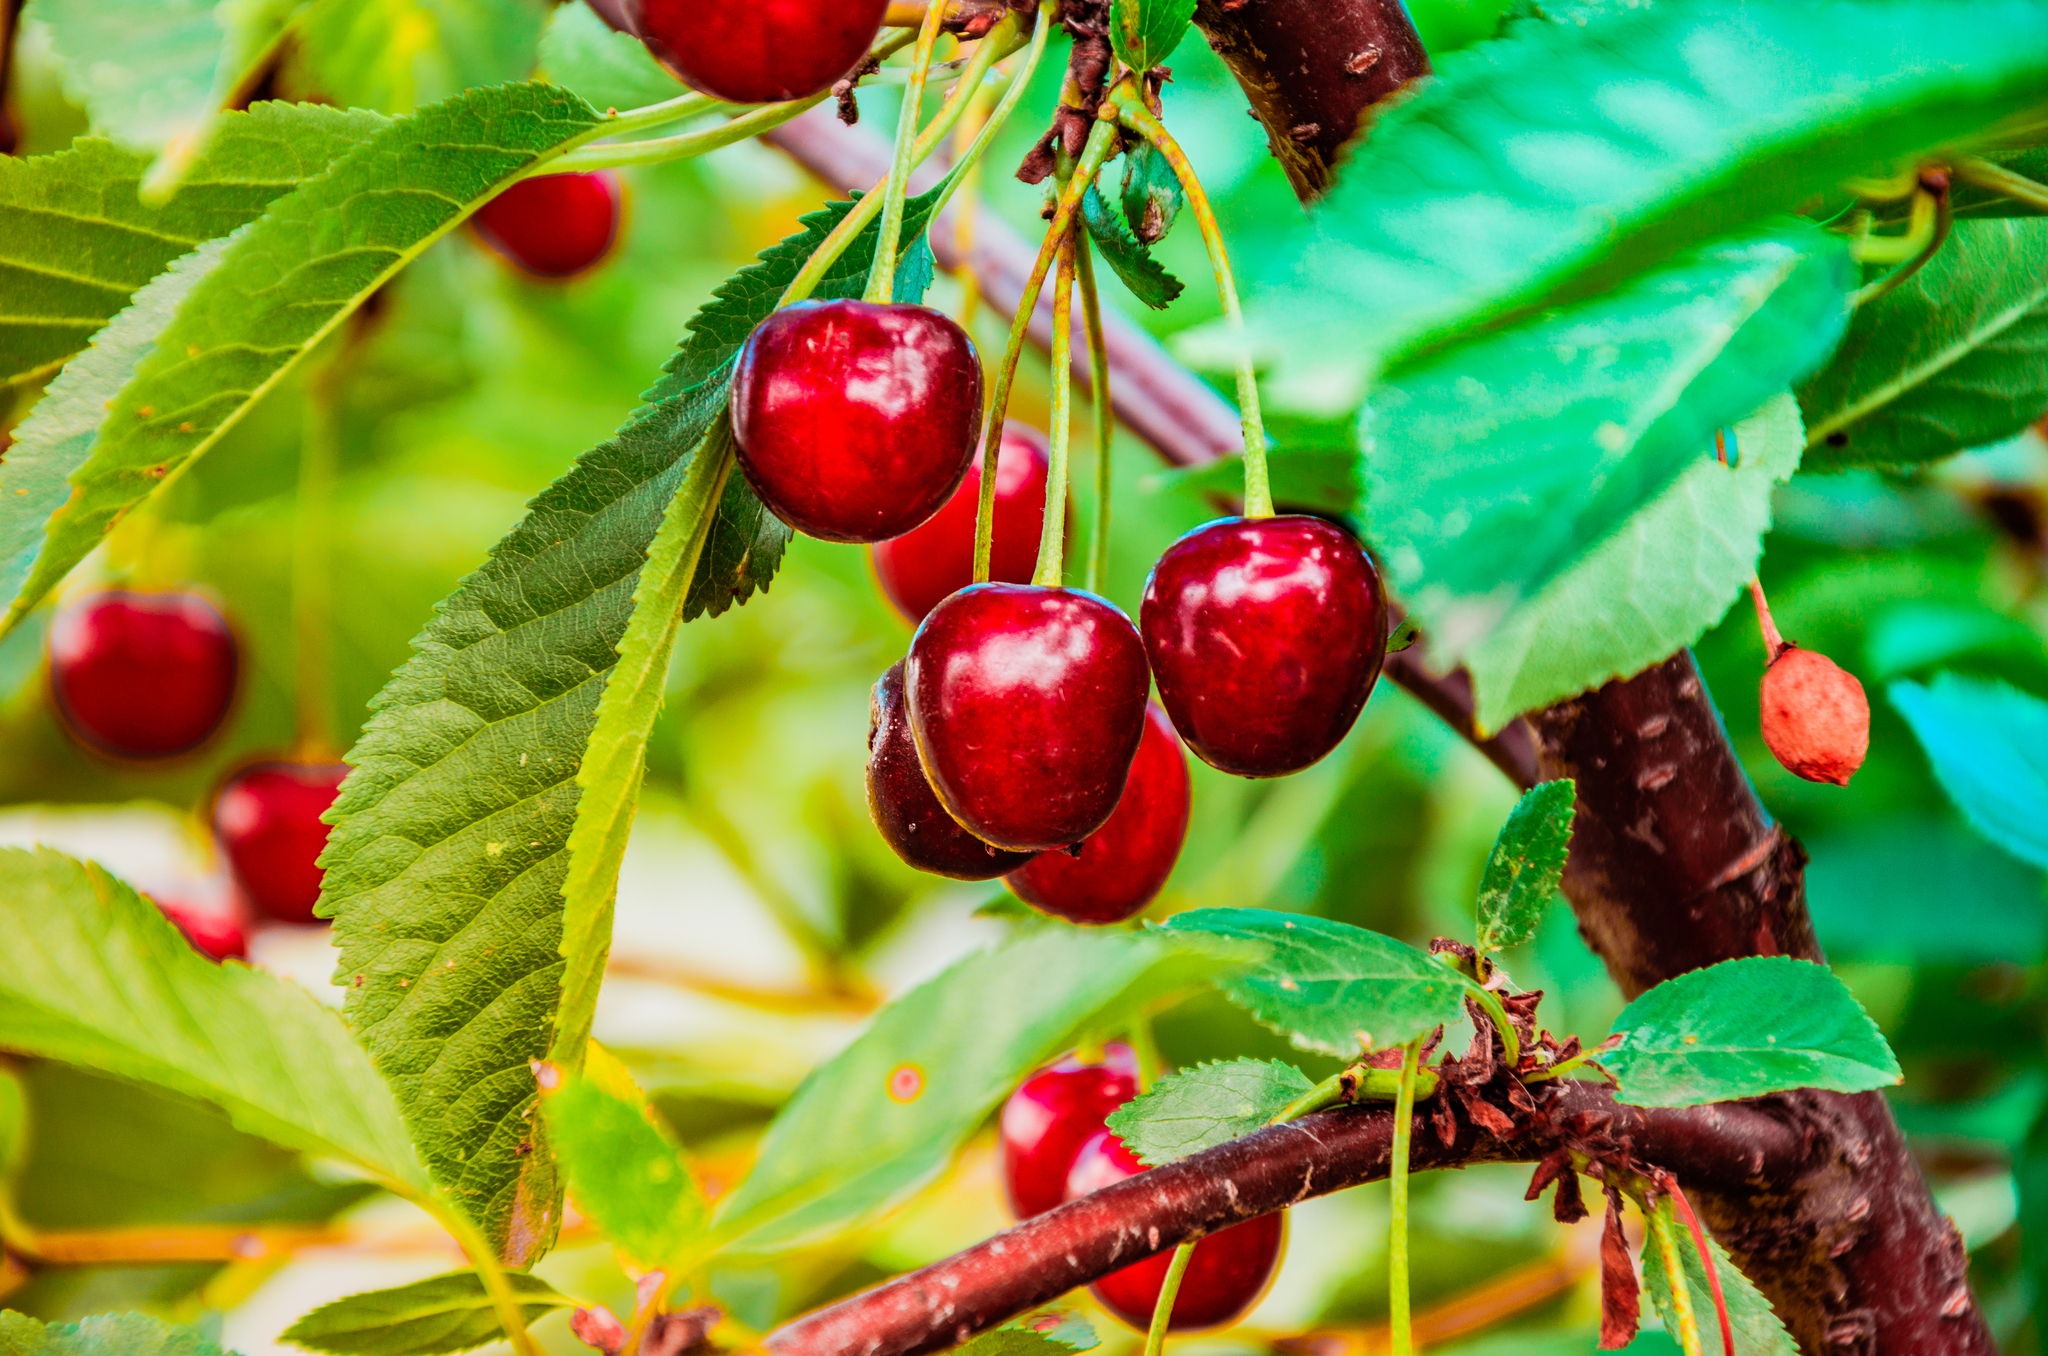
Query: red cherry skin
[[1228, 1273], [1266, 636], [1027, 704], [855, 420], [758, 51], [1051, 1115], [143, 675], [213, 934], [902, 804], [920, 568], [556, 225], [267, 819], [1124, 864]]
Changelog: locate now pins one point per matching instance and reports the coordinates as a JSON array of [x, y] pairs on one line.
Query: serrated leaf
[[611, 69], [76, 241], [1955, 357], [1744, 1028], [1562, 158], [1326, 985], [1199, 1108], [106, 1335], [884, 1115], [1152, 194], [1755, 1324], [1024, 1342], [1988, 743], [1145, 32], [427, 1318], [624, 1168], [399, 55], [1318, 479], [94, 975], [1527, 863], [1132, 261]]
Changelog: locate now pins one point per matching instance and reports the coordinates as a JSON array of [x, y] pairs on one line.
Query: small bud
[[1815, 716]]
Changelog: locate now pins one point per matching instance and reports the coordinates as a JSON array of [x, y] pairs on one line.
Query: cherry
[[142, 675], [1125, 863], [1266, 636], [856, 420], [267, 819], [555, 225], [1028, 704], [1051, 1115], [212, 933], [1225, 1277], [758, 51], [921, 567], [1816, 719], [901, 802]]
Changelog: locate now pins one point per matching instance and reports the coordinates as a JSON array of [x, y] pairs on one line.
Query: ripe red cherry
[[1225, 1277], [1027, 704], [555, 225], [1051, 1115], [901, 802], [212, 933], [267, 819], [856, 420], [758, 51], [921, 567], [1266, 636], [142, 675], [1125, 863]]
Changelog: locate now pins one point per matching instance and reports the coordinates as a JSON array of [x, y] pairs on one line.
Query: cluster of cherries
[[148, 677], [1056, 1147]]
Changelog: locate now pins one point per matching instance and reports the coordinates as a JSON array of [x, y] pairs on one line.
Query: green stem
[[1359, 1083], [1399, 1328], [1146, 1047], [1105, 416], [1052, 538], [1674, 1273], [1944, 219], [504, 1303], [882, 274], [1169, 1291], [1999, 179], [1258, 496], [1511, 1041]]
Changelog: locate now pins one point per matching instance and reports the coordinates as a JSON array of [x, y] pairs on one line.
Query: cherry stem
[[1934, 190], [1674, 1275], [1997, 178], [1169, 1291], [1105, 417], [1510, 1039], [1052, 539], [1774, 644], [1258, 496], [1400, 1329], [313, 569], [882, 276], [1101, 140], [1707, 1263], [489, 1270]]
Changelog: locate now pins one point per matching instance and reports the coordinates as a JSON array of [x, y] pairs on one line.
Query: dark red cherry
[[555, 225], [267, 819], [856, 420], [212, 932], [758, 51], [142, 675], [921, 567], [1051, 1115], [1125, 863], [1225, 1277], [901, 802], [1266, 636], [1028, 704]]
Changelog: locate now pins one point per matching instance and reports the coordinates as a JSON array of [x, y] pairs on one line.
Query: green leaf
[[1199, 1108], [1744, 1028], [1757, 1329], [1145, 32], [1989, 746], [399, 55], [1527, 863], [76, 241], [107, 1335], [1955, 357], [611, 69], [1562, 158], [884, 1115], [286, 282], [1132, 261], [427, 1318], [1327, 985], [1152, 194], [1023, 1342], [94, 975], [1319, 479], [626, 1170]]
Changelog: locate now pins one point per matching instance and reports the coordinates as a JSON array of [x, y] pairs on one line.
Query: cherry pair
[[1056, 1147]]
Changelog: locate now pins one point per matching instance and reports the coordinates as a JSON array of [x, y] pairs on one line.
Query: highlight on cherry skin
[[920, 569], [554, 225], [906, 811], [267, 821], [1122, 866], [762, 51], [856, 421], [1051, 1115], [1266, 636], [142, 675]]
